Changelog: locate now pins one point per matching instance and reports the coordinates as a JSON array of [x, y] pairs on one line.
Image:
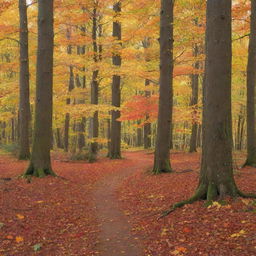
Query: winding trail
[[115, 238]]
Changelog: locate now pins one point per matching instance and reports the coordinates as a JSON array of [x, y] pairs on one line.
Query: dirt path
[[115, 238]]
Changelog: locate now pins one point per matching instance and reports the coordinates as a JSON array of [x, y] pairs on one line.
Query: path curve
[[115, 237]]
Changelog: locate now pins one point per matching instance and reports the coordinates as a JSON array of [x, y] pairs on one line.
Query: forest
[[128, 127]]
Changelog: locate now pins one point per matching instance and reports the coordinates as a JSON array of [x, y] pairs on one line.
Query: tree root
[[38, 172], [245, 195], [209, 193], [200, 193]]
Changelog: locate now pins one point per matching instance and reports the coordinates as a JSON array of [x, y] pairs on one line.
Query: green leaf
[[1, 225], [37, 247]]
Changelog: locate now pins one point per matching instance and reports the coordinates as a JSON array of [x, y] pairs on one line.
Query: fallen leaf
[[39, 202], [19, 239], [37, 247], [20, 217], [186, 230], [240, 233]]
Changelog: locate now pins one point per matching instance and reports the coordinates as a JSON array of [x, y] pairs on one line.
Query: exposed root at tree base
[[38, 172], [208, 193]]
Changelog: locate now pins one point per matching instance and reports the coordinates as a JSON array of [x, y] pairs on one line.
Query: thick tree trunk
[[216, 176], [162, 149], [24, 105], [194, 101], [251, 83], [40, 163], [115, 151]]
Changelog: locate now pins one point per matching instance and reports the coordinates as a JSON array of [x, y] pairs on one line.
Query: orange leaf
[[19, 239], [181, 249], [19, 216], [187, 230]]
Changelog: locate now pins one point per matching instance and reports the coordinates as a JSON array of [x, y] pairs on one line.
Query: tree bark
[[24, 104], [162, 148], [216, 176], [71, 86], [115, 151], [93, 149], [251, 83], [40, 163], [194, 101]]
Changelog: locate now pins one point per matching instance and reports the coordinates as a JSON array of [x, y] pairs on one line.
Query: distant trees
[[162, 148], [40, 163], [24, 104]]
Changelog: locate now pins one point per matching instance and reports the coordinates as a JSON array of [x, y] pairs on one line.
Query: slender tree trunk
[[147, 126], [162, 149], [24, 107], [94, 93], [115, 151], [194, 101], [58, 138], [40, 163], [251, 83], [71, 86]]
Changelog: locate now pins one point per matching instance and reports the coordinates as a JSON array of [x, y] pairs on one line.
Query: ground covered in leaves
[[56, 216]]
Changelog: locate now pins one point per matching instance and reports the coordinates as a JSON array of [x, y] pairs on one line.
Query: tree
[[162, 148], [216, 175], [94, 89], [40, 163], [194, 101], [115, 143], [24, 105], [251, 83], [147, 125]]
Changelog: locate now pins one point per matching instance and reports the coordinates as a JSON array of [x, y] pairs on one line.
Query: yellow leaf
[[246, 201], [19, 216], [39, 202], [19, 239], [240, 233], [215, 204]]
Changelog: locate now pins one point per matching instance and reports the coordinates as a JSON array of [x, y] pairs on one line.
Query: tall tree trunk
[[251, 83], [147, 126], [115, 151], [40, 163], [24, 107], [162, 149], [71, 86], [94, 93], [194, 101], [216, 176]]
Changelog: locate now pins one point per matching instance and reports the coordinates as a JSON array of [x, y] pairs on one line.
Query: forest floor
[[112, 207]]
